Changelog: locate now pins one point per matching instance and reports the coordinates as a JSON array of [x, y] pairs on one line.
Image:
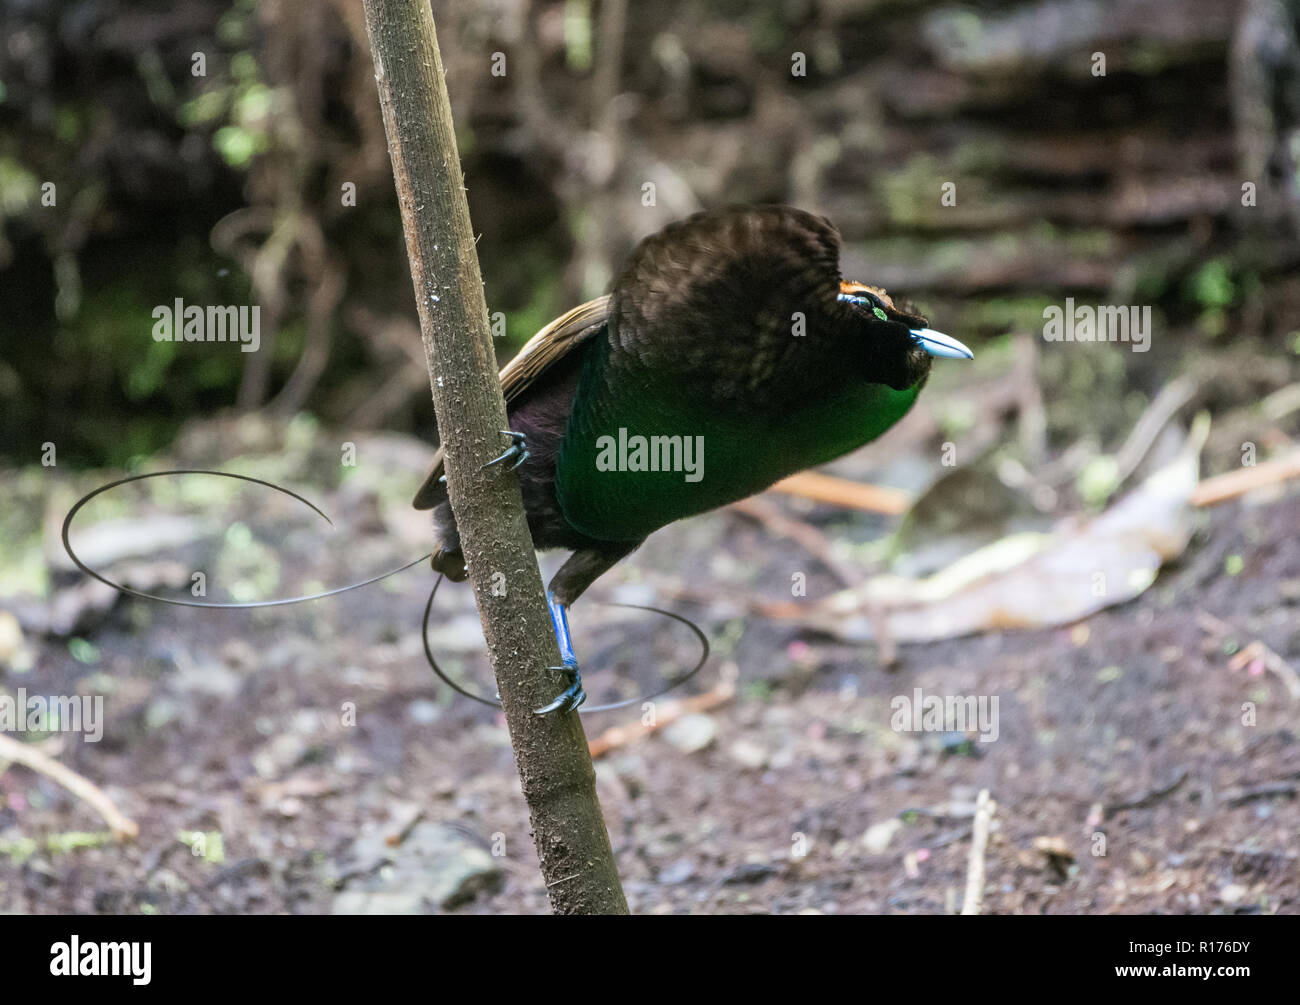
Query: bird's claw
[[518, 449], [570, 698]]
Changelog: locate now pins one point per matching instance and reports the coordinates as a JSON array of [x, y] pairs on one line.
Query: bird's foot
[[518, 450], [571, 697]]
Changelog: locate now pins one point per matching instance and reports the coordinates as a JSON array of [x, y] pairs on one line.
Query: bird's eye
[[867, 300]]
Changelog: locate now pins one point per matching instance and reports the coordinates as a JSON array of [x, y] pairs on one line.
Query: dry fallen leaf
[[1033, 580]]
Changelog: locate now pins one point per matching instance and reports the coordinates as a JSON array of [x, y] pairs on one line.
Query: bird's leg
[[575, 575], [518, 450], [573, 695], [447, 556]]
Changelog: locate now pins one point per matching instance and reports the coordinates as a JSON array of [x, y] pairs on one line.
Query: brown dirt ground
[[228, 721]]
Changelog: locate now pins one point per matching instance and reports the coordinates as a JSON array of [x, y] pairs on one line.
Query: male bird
[[732, 346]]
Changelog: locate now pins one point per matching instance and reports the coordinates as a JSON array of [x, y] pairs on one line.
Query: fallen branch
[[122, 826]]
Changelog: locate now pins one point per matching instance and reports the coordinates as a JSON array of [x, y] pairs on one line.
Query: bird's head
[[900, 345]]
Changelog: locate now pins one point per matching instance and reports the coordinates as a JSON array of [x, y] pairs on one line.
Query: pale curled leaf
[[1033, 580]]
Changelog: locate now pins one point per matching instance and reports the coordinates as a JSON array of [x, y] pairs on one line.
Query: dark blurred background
[[228, 187]]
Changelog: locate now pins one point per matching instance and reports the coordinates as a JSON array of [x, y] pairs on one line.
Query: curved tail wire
[[76, 560], [671, 684]]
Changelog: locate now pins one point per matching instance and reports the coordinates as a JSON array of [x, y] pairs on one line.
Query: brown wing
[[539, 353]]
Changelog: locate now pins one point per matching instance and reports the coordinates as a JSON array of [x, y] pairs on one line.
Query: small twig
[[1218, 630], [1248, 852], [1150, 797], [1281, 403], [405, 825], [835, 491], [122, 826], [842, 492], [950, 837], [621, 736], [808, 537], [607, 74], [1264, 790], [1164, 406], [321, 304], [1031, 419], [973, 900], [1224, 487], [390, 335], [816, 544], [1271, 661], [1212, 626]]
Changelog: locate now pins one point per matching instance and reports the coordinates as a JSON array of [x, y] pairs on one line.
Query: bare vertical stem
[[559, 782]]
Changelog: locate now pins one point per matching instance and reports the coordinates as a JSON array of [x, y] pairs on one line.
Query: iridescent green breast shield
[[639, 457]]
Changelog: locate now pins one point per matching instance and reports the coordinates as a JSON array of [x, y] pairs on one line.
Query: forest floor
[[1124, 777]]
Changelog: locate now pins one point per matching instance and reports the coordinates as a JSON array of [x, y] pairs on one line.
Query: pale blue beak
[[939, 344]]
